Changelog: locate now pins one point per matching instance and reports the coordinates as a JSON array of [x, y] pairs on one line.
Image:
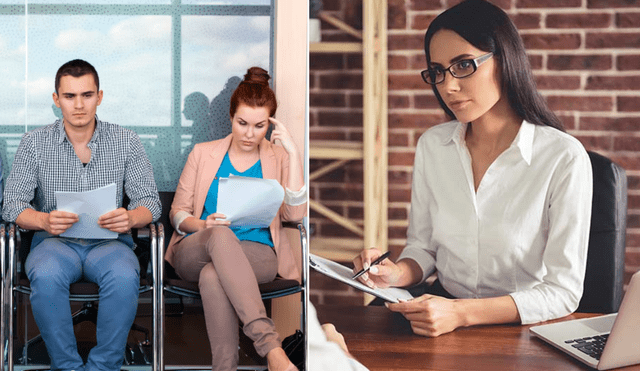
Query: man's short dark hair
[[77, 68]]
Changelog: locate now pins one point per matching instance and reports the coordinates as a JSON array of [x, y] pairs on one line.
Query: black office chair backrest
[[603, 285]]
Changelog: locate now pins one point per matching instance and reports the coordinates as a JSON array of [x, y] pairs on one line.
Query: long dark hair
[[488, 28]]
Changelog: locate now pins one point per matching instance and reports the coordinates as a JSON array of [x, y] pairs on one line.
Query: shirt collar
[[62, 134], [523, 140]]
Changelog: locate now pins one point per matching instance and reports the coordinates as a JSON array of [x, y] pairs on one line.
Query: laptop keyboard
[[591, 346]]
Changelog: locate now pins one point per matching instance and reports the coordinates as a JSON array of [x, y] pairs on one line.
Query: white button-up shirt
[[524, 232]]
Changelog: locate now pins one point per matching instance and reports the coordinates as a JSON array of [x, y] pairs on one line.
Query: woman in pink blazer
[[228, 263]]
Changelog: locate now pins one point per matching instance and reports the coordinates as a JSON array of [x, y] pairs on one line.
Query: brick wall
[[586, 59]]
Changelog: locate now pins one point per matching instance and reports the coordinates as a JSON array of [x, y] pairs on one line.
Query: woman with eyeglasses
[[501, 195]]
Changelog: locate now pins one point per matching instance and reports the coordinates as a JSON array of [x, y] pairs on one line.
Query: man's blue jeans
[[53, 264]]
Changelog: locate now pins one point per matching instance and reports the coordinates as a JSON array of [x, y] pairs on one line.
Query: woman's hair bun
[[257, 75]]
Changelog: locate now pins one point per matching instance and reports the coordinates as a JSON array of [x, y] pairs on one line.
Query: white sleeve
[[419, 232], [325, 355], [565, 253]]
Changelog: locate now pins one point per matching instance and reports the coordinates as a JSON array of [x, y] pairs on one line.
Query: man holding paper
[[80, 153]]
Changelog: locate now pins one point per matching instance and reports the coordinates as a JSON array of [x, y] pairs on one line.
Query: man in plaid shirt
[[81, 153]]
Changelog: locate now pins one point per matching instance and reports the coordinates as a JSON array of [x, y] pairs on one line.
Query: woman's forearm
[[296, 178], [486, 311], [192, 225]]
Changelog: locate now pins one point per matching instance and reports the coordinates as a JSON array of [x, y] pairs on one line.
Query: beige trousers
[[228, 272]]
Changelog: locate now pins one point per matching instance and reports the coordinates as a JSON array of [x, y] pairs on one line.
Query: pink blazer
[[197, 175]]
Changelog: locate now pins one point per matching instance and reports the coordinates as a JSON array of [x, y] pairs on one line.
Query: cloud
[[77, 39], [136, 32]]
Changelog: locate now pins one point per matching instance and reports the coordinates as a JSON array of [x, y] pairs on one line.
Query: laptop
[[603, 342]]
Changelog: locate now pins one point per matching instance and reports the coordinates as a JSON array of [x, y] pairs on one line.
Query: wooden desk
[[382, 340]]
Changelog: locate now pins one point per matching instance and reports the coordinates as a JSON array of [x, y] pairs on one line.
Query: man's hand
[[430, 315], [117, 220], [56, 222]]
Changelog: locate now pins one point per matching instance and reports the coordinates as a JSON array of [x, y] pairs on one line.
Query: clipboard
[[343, 274]]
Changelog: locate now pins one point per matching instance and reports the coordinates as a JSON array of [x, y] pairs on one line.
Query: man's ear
[[56, 101], [99, 97]]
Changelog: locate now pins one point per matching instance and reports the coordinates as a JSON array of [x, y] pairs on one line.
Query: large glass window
[[167, 67]]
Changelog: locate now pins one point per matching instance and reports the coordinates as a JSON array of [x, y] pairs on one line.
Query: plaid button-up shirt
[[46, 162]]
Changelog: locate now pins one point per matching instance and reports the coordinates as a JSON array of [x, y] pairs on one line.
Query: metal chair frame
[[300, 287], [11, 287]]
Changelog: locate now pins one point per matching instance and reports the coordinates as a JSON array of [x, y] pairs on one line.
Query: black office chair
[[15, 282], [173, 284], [604, 279]]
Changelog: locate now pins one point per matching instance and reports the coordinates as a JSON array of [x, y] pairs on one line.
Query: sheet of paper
[[89, 206], [249, 202], [344, 274]]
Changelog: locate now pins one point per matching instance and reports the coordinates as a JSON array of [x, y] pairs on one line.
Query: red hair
[[254, 91]]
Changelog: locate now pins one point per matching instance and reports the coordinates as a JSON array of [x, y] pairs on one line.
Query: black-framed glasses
[[460, 69]]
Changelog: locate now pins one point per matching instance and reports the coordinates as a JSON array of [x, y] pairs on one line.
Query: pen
[[375, 262]]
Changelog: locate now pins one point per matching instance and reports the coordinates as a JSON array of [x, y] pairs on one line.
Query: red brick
[[628, 162], [569, 121], [396, 15], [398, 140], [354, 100], [633, 239], [405, 42], [613, 83], [340, 119], [570, 103], [352, 11], [398, 101], [418, 61], [355, 213], [627, 20], [613, 40], [324, 61], [328, 5], [551, 41], [400, 177], [397, 232], [504, 4], [354, 61], [335, 176], [327, 100], [626, 143], [414, 120], [397, 213], [628, 62], [399, 195], [425, 5], [341, 81], [625, 124], [578, 20], [632, 259], [406, 81], [334, 208], [525, 21], [558, 82], [548, 3], [426, 101], [326, 135], [535, 61], [633, 221], [628, 104], [564, 62], [595, 142], [342, 193], [397, 62], [612, 3], [401, 158], [422, 21], [633, 182]]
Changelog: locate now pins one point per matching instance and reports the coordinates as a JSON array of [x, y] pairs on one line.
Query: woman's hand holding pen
[[430, 315], [383, 275]]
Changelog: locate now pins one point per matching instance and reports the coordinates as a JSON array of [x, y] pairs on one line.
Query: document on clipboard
[[343, 274]]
